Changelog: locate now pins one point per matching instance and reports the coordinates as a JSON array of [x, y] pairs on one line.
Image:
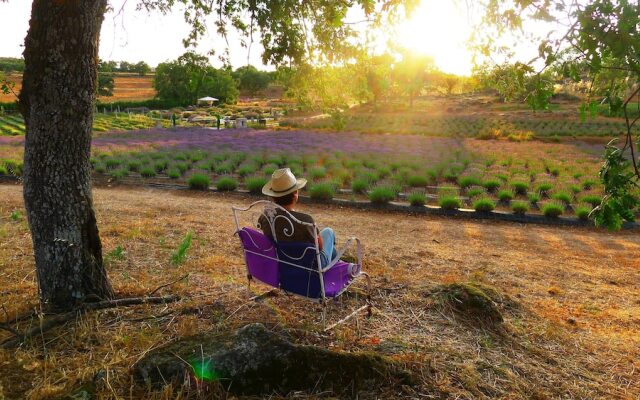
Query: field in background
[[470, 115], [127, 87]]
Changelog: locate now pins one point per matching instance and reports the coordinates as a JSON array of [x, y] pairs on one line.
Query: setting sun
[[439, 29]]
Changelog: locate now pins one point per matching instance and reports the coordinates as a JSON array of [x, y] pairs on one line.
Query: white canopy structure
[[207, 99]]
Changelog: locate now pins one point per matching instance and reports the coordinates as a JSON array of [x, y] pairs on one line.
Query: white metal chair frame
[[271, 214]]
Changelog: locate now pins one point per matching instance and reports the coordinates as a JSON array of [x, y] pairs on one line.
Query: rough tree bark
[[57, 102]]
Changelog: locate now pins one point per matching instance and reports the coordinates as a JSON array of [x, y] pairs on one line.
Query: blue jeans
[[329, 251]]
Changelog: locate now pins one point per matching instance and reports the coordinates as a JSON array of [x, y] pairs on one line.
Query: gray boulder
[[256, 361]]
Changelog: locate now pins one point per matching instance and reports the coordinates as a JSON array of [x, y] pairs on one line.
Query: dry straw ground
[[569, 299]]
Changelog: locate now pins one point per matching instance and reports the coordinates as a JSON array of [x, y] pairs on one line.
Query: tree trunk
[[57, 102]]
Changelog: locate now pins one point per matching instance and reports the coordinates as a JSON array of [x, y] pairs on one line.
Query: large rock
[[255, 361]]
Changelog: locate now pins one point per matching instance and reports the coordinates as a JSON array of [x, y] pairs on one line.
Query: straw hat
[[282, 183]]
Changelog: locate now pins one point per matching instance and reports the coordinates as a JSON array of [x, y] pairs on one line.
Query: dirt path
[[576, 332]]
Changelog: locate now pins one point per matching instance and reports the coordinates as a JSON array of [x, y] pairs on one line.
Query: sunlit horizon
[[440, 30]]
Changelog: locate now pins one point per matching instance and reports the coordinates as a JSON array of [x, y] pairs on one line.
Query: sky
[[437, 28]]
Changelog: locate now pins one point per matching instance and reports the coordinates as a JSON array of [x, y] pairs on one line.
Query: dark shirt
[[301, 233]]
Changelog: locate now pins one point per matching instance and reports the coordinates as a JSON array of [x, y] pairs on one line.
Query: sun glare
[[439, 29]]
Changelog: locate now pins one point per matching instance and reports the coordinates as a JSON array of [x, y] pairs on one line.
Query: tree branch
[[60, 319]]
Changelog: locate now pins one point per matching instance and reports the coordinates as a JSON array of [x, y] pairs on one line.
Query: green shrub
[[449, 202], [484, 204], [100, 168], [147, 172], [417, 199], [575, 188], [224, 168], [160, 165], [582, 212], [502, 177], [134, 165], [181, 166], [587, 184], [520, 187], [247, 169], [553, 210], [450, 175], [592, 199], [3, 170], [317, 173], [269, 169], [475, 191], [466, 181], [544, 187], [174, 173], [533, 197], [505, 195], [119, 173], [417, 180], [519, 207], [491, 184], [254, 184], [322, 191], [199, 182], [226, 183], [563, 197], [578, 175], [112, 163], [360, 185], [382, 194]]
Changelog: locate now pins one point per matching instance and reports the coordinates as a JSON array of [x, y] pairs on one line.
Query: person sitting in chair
[[283, 189]]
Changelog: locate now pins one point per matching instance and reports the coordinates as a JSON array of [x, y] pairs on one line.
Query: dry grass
[[575, 335], [126, 87]]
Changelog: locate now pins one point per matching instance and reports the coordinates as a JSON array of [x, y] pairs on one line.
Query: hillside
[[568, 298], [127, 87]]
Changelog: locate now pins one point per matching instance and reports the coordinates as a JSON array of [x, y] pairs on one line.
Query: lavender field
[[551, 178]]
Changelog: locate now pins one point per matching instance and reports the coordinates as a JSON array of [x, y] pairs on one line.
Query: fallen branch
[[60, 319], [168, 284]]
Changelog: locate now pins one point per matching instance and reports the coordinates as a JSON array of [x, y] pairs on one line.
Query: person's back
[[283, 190], [286, 229]]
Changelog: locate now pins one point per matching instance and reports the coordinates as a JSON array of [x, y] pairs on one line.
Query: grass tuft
[[417, 199], [484, 204], [178, 256], [519, 207], [449, 202], [553, 210], [322, 191], [227, 183], [382, 194], [254, 184], [199, 182]]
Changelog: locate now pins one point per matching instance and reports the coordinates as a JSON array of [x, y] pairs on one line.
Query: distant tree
[[251, 79], [141, 68], [107, 66], [9, 64], [450, 82], [190, 77], [126, 66], [105, 78], [377, 70], [410, 74], [105, 84]]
